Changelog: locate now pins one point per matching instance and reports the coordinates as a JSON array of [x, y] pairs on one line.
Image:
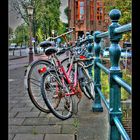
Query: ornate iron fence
[[115, 31]]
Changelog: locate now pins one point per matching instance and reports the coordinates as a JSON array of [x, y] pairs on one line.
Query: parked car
[[24, 47], [126, 53], [105, 52], [18, 47], [39, 49], [12, 46]]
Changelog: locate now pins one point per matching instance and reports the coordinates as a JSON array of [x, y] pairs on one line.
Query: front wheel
[[54, 94]]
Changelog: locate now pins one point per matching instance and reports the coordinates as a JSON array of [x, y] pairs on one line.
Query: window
[[81, 10], [100, 11]]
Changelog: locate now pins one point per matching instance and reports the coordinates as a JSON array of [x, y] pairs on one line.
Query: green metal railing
[[115, 31]]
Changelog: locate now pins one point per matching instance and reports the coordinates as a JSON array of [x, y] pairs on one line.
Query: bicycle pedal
[[55, 96], [79, 92]]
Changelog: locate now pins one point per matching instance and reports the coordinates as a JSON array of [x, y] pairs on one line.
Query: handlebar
[[46, 43], [63, 34], [63, 51]]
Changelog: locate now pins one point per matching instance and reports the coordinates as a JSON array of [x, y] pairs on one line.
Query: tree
[[66, 11], [21, 34], [10, 31], [10, 35], [125, 6], [45, 16]]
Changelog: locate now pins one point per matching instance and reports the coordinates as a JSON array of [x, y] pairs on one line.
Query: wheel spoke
[[54, 95], [34, 84]]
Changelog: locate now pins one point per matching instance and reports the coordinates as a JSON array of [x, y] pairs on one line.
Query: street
[[19, 52]]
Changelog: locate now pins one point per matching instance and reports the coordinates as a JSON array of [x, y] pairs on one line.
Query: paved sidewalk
[[26, 122], [12, 57]]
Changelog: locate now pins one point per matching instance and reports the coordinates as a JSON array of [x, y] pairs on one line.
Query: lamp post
[[30, 13]]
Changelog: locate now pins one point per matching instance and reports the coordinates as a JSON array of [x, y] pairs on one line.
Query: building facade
[[86, 15]]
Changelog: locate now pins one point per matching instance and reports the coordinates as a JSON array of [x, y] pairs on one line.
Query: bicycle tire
[[32, 81], [86, 84], [57, 104], [83, 88]]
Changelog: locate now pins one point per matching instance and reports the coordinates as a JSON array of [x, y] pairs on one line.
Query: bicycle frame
[[67, 75], [73, 86]]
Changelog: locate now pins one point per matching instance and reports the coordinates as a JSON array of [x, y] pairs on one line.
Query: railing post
[[115, 89], [97, 107], [90, 53], [13, 51]]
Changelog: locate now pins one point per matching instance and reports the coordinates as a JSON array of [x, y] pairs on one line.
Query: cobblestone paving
[[27, 123]]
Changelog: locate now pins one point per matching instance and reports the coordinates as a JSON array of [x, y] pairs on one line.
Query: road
[[19, 52], [22, 61]]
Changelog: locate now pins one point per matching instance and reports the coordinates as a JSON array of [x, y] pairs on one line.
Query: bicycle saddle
[[46, 44], [51, 50]]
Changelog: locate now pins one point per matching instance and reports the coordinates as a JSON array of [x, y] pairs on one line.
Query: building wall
[[86, 24]]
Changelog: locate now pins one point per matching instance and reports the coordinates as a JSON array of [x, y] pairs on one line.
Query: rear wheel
[[32, 81], [54, 94], [86, 84]]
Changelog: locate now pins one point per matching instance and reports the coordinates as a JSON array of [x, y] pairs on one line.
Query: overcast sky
[[14, 21]]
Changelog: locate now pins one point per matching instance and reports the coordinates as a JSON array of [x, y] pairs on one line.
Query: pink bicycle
[[61, 84]]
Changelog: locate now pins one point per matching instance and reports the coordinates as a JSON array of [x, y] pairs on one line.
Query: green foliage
[[66, 10], [105, 84], [34, 131], [127, 78], [125, 6], [10, 31], [45, 16], [21, 34], [40, 35], [76, 124], [61, 28]]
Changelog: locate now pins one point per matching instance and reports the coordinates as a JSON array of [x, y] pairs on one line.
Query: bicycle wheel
[[54, 94], [86, 83], [32, 81]]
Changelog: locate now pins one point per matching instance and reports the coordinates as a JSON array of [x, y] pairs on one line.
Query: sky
[[63, 6], [14, 21]]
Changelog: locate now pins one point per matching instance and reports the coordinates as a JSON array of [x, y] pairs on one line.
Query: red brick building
[[86, 15]]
